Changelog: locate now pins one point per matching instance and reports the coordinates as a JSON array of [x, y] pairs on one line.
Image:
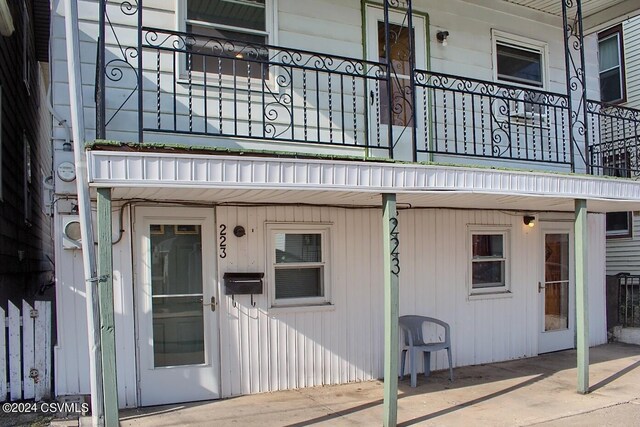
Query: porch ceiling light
[[442, 37], [529, 220], [6, 22]]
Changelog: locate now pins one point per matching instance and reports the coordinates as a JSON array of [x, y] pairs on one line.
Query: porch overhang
[[596, 14], [239, 179]]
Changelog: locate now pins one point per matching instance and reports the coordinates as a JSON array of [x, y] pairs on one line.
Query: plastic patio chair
[[414, 343]]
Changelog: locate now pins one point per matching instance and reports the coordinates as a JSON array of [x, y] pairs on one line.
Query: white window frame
[[271, 26], [299, 228], [523, 43], [505, 232]]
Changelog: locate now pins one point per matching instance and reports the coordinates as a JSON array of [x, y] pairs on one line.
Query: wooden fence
[[25, 351]]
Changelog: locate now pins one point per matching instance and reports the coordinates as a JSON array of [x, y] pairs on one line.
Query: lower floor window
[[619, 224], [298, 254], [489, 260]]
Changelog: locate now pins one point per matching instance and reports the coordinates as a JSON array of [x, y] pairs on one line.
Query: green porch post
[[391, 302], [582, 306], [105, 295]]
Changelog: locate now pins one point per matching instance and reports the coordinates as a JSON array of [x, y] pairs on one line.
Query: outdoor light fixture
[[442, 37], [529, 220]]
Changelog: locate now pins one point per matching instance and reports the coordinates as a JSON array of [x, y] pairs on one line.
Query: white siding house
[[623, 251], [269, 156]]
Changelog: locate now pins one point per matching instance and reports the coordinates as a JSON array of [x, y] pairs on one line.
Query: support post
[[391, 303], [575, 68], [582, 306], [105, 294]]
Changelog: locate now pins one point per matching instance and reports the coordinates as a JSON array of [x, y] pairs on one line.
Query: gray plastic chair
[[414, 343]]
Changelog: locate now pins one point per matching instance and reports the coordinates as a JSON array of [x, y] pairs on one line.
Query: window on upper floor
[[28, 55], [228, 31], [299, 255], [519, 60], [611, 65]]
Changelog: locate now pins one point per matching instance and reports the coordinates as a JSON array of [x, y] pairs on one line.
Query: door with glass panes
[[401, 104], [556, 290], [178, 355]]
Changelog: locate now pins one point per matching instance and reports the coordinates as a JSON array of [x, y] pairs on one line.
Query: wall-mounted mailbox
[[243, 284]]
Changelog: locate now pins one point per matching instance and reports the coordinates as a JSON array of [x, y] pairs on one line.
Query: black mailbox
[[243, 283]]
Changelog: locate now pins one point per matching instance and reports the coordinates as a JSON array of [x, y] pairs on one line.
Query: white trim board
[[181, 171]]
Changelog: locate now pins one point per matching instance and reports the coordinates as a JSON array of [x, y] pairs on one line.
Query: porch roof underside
[[595, 13], [262, 180]]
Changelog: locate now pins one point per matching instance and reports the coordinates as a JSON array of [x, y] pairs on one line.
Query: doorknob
[[541, 287], [212, 304]]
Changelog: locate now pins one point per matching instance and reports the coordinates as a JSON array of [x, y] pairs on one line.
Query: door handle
[[212, 304], [541, 287]]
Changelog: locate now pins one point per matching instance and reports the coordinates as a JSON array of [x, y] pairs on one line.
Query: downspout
[[84, 209]]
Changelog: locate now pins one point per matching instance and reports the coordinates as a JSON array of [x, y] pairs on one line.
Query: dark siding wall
[[25, 234]]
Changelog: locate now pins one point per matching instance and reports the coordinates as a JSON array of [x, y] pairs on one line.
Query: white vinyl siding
[[631, 39], [303, 24], [263, 351]]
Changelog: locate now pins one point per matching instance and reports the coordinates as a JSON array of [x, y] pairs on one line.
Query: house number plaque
[[223, 241]]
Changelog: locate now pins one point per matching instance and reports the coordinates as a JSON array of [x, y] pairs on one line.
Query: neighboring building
[[254, 136], [620, 84], [26, 159]]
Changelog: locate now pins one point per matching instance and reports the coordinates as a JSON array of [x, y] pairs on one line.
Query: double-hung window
[[228, 35], [489, 263], [611, 65], [518, 60], [521, 62], [299, 254], [618, 163]]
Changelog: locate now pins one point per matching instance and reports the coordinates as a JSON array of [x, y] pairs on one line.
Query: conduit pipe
[[84, 209]]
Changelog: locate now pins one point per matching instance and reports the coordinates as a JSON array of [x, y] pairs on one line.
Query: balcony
[[216, 88]]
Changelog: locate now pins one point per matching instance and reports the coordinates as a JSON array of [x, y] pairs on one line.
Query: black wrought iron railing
[[186, 83], [472, 117], [219, 87], [629, 301], [615, 148]]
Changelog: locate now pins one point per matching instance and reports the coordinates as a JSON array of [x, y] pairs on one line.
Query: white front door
[[401, 105], [177, 327], [557, 290]]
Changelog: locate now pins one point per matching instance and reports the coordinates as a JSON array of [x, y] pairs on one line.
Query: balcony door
[[400, 103], [177, 329], [556, 291]]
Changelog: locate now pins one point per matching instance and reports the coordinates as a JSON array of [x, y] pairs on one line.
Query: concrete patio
[[533, 391]]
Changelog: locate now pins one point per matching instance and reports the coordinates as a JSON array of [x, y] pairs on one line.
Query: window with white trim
[[611, 65], [239, 22], [489, 260], [298, 255], [519, 60]]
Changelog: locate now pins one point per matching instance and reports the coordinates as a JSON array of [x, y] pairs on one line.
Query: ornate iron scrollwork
[[575, 77]]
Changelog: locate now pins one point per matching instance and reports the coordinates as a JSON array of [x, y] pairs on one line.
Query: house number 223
[[223, 241]]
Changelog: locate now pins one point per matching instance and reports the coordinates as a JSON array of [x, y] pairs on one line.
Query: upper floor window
[[519, 60], [611, 63], [244, 25], [28, 55]]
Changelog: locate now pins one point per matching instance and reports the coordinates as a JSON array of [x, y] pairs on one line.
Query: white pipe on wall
[[84, 208]]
